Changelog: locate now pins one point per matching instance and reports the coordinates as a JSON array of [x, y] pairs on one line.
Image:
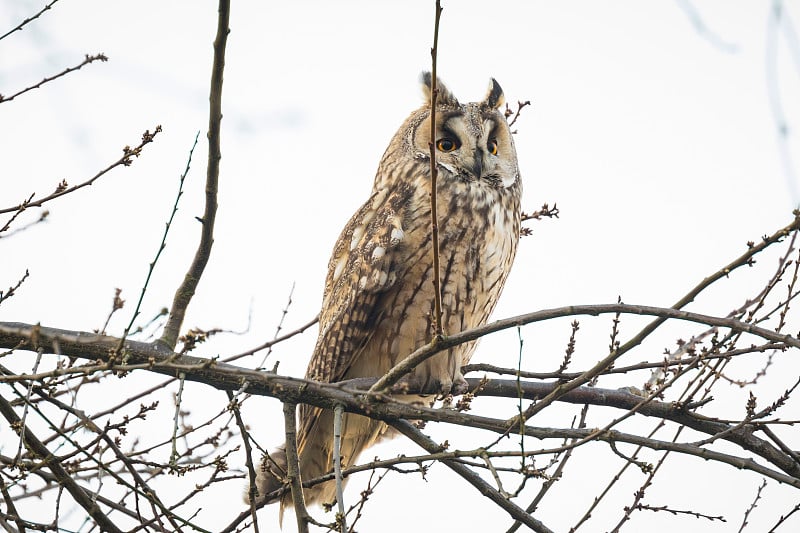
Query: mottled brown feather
[[378, 299]]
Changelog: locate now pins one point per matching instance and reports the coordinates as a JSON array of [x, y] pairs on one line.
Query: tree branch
[[63, 188], [186, 291], [51, 461], [437, 290], [86, 60], [228, 377], [471, 477], [28, 20]]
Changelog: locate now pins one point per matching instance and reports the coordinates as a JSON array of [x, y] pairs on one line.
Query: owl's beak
[[477, 163]]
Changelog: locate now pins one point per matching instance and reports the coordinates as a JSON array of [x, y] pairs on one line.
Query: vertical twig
[[293, 467], [252, 490], [553, 478], [39, 353], [163, 242], [279, 328], [753, 505], [173, 457], [437, 290], [520, 410], [187, 288], [341, 518]]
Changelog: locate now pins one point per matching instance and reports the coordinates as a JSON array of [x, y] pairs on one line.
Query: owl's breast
[[478, 235]]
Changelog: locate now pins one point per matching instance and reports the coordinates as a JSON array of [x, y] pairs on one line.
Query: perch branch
[[429, 350]]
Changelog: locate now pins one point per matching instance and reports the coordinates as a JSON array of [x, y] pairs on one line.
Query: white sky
[[657, 141]]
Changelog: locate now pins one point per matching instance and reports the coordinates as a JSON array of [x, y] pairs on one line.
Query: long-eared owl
[[378, 302]]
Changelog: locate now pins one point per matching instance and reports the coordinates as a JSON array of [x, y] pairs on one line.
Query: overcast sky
[[653, 126]]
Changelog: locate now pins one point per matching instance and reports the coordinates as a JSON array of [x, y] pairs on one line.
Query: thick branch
[[187, 289], [228, 377]]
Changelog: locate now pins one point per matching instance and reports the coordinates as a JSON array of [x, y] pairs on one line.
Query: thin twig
[[273, 342], [23, 419], [63, 188], [252, 489], [437, 290], [163, 243], [14, 288], [293, 467], [42, 217], [173, 457], [782, 519], [752, 506], [28, 20], [278, 328], [555, 477], [86, 60], [341, 517]]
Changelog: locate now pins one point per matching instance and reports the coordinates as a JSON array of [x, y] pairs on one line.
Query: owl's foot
[[460, 386]]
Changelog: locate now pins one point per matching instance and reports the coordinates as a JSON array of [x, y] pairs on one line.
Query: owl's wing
[[366, 262]]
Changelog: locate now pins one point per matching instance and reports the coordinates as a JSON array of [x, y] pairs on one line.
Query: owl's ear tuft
[[494, 96], [445, 97]]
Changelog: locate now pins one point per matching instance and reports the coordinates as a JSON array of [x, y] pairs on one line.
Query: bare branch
[[162, 245], [63, 188], [472, 478], [437, 289], [341, 517], [28, 20], [252, 490], [87, 59], [186, 291], [293, 467], [80, 496]]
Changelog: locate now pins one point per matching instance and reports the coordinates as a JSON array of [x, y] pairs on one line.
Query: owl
[[378, 303]]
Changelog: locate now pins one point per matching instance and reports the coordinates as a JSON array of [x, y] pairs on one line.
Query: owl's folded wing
[[366, 262]]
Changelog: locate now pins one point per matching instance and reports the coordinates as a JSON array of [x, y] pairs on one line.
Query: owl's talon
[[460, 386]]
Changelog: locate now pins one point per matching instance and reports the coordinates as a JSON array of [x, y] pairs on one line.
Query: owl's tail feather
[[270, 477], [315, 440]]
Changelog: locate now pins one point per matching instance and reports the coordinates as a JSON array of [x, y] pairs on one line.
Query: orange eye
[[446, 145], [492, 146]]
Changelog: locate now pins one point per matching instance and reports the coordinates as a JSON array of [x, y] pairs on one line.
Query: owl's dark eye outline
[[492, 146], [446, 144]]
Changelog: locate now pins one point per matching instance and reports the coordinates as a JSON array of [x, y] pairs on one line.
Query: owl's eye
[[492, 146], [446, 145]]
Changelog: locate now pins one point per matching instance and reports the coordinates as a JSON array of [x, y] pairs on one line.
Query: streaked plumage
[[378, 302]]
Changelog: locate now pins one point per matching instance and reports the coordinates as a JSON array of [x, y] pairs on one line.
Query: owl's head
[[473, 141]]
